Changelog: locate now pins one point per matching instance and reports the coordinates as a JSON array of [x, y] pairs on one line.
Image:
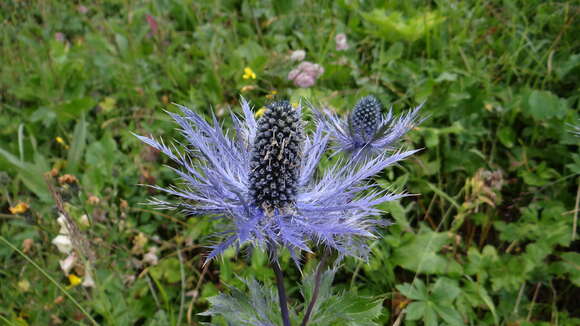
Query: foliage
[[490, 240], [256, 308]]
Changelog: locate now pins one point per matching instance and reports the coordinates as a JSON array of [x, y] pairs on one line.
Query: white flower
[[298, 55], [151, 256], [88, 280], [68, 263], [63, 243], [64, 230], [84, 220]]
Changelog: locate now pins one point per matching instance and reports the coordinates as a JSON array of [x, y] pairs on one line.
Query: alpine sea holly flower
[[366, 132], [261, 183]]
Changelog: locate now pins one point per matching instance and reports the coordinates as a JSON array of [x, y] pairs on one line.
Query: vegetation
[[490, 239]]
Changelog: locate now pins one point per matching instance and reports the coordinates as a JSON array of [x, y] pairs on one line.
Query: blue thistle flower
[[261, 183], [366, 132]]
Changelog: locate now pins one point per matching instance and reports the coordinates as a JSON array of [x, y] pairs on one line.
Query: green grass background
[[489, 241]]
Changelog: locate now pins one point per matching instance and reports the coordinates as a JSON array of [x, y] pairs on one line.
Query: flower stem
[[281, 293], [317, 279]]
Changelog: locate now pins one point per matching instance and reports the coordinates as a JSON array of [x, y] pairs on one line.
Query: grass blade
[[62, 289]]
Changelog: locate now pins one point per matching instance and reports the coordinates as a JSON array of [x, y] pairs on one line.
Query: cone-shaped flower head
[[261, 183], [276, 158], [366, 132], [365, 119]]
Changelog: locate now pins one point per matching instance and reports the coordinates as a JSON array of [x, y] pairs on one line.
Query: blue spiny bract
[[276, 158], [260, 184], [366, 132]]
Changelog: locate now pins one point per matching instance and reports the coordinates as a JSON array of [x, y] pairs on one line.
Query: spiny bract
[[228, 179], [366, 133]]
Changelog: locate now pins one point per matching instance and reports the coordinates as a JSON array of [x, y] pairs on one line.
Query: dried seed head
[[365, 118], [276, 158]]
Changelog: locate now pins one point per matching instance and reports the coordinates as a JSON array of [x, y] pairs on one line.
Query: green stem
[[317, 279], [281, 293]]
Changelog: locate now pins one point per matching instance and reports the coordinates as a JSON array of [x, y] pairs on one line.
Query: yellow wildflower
[[295, 104], [249, 73], [260, 112], [271, 94], [74, 280], [61, 141], [19, 209]]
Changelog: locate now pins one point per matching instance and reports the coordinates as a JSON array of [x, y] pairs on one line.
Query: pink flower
[[59, 36], [293, 73], [152, 24], [310, 68], [304, 80], [340, 41], [305, 74], [82, 9]]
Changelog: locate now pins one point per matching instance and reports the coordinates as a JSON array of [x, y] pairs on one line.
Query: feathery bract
[[366, 132], [261, 183]]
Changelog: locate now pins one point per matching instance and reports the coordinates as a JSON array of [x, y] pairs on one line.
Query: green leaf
[[446, 76], [259, 307], [77, 146], [393, 26], [73, 109], [414, 291], [420, 254], [416, 310], [430, 316], [31, 174], [542, 105], [481, 292], [167, 269], [344, 309], [394, 52], [506, 136], [445, 290], [570, 264], [447, 313]]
